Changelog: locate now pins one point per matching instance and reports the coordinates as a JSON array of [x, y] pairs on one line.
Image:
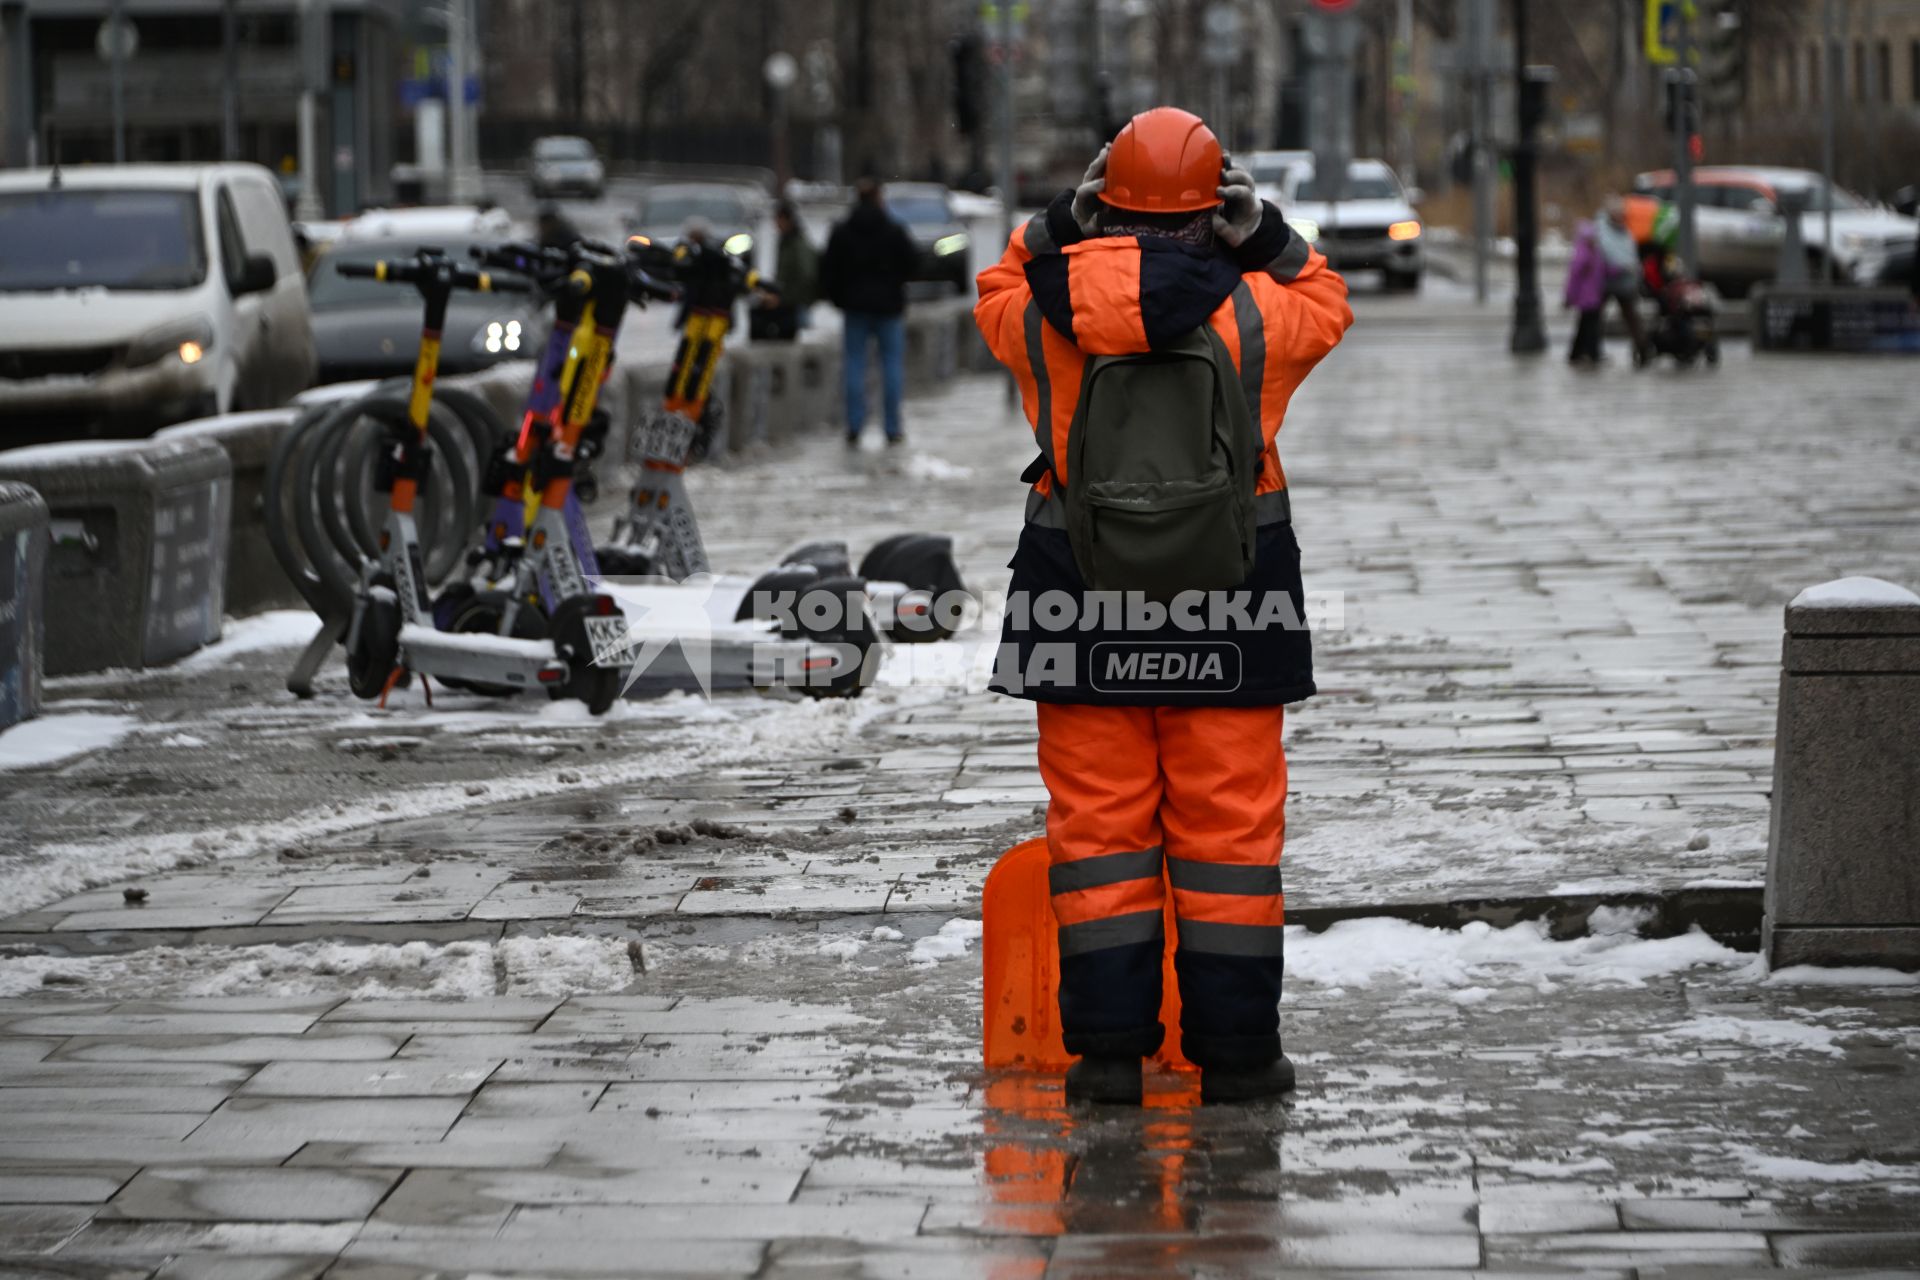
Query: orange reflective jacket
[[1044, 309]]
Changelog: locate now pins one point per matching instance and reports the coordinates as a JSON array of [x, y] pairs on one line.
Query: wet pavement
[[487, 989]]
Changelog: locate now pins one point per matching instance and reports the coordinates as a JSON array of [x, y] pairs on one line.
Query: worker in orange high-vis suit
[[1160, 732]]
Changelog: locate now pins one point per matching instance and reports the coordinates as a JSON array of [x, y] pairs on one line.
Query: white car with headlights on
[[1365, 223], [136, 296], [563, 165], [365, 329]]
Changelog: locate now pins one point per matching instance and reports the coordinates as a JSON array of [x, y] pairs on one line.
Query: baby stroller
[[1683, 326]]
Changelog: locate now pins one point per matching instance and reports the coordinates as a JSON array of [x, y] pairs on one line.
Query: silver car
[[1740, 224]]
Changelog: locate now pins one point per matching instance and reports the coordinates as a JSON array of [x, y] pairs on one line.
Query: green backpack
[[1163, 455]]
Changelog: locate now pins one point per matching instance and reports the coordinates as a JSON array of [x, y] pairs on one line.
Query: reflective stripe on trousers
[[1147, 799]]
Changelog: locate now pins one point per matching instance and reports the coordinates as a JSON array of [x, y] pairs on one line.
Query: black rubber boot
[[1247, 1084], [1104, 1079]]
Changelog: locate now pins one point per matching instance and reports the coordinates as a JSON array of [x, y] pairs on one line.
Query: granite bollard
[[1843, 859]]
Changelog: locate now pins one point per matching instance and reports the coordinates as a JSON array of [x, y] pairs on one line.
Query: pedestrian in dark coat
[[869, 259]]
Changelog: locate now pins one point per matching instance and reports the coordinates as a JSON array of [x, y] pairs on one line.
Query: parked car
[[1371, 224], [926, 210], [135, 296], [365, 329], [562, 165], [1739, 222], [731, 210]]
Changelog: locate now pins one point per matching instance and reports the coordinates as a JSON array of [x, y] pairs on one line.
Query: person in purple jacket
[[1586, 292]]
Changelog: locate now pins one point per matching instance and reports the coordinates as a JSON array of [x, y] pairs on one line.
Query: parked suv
[[134, 296], [1367, 222], [1739, 223]]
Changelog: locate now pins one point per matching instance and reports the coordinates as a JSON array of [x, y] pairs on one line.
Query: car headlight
[[1404, 231], [739, 244], [1309, 229], [188, 343], [500, 336], [1854, 242], [947, 245]]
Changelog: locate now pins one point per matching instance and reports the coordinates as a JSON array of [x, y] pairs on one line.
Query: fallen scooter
[[910, 580]]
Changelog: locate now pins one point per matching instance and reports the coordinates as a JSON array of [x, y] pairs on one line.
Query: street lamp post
[[307, 207], [781, 70], [117, 75], [1529, 336]]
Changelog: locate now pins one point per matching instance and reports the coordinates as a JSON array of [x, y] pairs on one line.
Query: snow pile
[[1855, 593], [1359, 953], [949, 944], [1807, 975], [841, 947], [48, 740], [560, 964], [556, 965]]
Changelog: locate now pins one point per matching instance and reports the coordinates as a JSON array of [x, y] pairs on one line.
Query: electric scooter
[[910, 579], [392, 631], [511, 594]]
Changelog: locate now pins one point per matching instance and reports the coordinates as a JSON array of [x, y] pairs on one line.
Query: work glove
[[1086, 196], [1240, 211]]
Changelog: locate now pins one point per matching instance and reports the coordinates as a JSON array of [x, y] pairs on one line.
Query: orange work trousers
[[1147, 798]]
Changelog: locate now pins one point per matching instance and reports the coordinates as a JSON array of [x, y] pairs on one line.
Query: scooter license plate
[[610, 641]]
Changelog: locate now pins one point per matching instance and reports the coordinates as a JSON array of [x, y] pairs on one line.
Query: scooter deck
[[1021, 956], [479, 657]]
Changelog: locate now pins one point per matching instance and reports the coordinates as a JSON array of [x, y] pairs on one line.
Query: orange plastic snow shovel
[[1022, 959]]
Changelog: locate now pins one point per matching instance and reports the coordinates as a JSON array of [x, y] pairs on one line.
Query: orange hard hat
[[1165, 161]]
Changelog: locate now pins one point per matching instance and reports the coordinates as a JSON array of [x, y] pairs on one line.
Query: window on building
[[1815, 81], [1913, 70], [1859, 71], [1883, 70]]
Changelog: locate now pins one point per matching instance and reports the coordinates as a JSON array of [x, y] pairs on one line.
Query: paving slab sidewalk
[[554, 1028]]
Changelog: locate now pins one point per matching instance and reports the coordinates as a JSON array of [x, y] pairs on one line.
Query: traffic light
[[969, 82], [1721, 37], [1682, 96]]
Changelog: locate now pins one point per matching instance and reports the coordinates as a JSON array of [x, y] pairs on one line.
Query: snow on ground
[[1806, 975], [1473, 959], [1760, 1033], [733, 731], [275, 629], [51, 739], [1774, 1168], [552, 965]]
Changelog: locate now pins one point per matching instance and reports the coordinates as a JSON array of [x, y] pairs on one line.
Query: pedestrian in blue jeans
[[869, 259]]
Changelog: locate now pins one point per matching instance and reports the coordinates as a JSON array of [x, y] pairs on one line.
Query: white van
[[134, 296]]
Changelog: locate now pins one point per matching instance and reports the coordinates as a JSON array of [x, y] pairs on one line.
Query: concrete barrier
[[1810, 317], [502, 386], [932, 345], [816, 397], [23, 598], [136, 571], [255, 580], [1843, 856], [748, 372]]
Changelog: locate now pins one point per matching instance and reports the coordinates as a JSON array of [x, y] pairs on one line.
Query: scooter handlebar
[[413, 271]]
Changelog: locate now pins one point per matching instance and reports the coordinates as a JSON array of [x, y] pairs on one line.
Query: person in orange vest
[[1158, 318]]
